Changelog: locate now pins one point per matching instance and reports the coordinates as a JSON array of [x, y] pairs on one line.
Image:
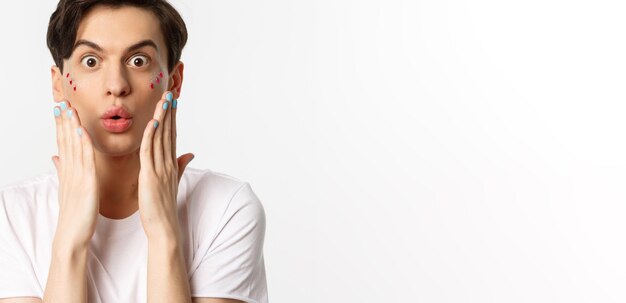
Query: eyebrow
[[131, 48]]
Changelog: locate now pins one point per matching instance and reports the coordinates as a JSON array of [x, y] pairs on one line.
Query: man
[[123, 219]]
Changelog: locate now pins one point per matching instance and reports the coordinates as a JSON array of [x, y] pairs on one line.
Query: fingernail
[[175, 104], [156, 123], [63, 105], [165, 105], [57, 111], [169, 96], [80, 131], [69, 113]]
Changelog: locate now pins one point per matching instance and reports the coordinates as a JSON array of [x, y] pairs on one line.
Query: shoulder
[[27, 208], [219, 199], [216, 189], [45, 178], [196, 179], [29, 193]]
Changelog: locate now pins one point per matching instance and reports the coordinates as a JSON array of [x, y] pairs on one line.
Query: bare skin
[[117, 174], [117, 53], [116, 155]]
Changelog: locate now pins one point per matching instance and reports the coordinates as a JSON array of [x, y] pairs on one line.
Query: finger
[[68, 156], [167, 135], [174, 134], [89, 158], [183, 161], [58, 120], [77, 142], [145, 151], [81, 141], [157, 143], [57, 165]]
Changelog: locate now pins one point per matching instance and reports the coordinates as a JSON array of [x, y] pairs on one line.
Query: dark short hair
[[66, 18]]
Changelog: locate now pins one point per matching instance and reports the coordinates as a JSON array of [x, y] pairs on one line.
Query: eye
[[89, 61], [139, 61]]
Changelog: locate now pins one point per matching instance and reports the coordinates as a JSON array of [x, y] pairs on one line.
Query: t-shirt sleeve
[[233, 265], [17, 274]]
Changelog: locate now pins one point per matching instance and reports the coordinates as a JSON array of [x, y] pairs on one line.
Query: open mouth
[[117, 124]]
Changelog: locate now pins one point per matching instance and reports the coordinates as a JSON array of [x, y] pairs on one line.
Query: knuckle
[[169, 169]]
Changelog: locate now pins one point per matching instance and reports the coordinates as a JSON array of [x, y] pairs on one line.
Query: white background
[[405, 151]]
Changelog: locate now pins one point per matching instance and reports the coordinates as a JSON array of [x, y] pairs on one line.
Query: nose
[[116, 82]]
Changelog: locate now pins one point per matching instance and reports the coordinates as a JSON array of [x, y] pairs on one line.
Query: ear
[[57, 83], [176, 79]]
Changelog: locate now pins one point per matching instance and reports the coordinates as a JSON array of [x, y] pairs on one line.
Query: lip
[[116, 126], [116, 111]]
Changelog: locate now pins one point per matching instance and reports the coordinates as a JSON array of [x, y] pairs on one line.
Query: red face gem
[[158, 80], [161, 74], [74, 88], [152, 85], [70, 82], [68, 75]]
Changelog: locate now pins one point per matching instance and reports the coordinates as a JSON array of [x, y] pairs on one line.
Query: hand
[[160, 172], [78, 184]]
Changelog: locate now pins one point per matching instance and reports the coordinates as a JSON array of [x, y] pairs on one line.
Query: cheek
[[156, 82], [71, 82], [79, 90]]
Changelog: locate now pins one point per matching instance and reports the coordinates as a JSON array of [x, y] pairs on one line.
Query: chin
[[117, 145]]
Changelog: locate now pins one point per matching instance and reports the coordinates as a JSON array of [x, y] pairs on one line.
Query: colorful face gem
[[71, 81], [157, 79]]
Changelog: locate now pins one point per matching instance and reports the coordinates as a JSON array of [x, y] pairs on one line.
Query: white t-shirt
[[222, 224]]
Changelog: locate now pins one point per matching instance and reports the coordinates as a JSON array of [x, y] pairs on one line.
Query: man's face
[[120, 59]]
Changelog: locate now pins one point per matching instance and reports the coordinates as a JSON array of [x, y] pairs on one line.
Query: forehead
[[114, 29]]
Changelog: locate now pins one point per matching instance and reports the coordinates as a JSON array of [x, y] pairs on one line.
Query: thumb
[[55, 160], [183, 161]]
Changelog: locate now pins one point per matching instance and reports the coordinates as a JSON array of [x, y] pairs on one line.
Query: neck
[[117, 180]]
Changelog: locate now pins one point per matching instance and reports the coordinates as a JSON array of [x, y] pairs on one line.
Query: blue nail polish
[[63, 105], [80, 131], [156, 123], [165, 105], [175, 103], [57, 111], [69, 113], [169, 96]]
